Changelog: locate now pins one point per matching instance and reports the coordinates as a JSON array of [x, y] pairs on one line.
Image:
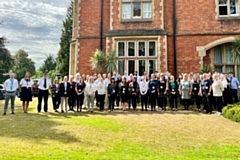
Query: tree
[[98, 61], [23, 64], [6, 60], [111, 62], [236, 50], [49, 63], [64, 51]]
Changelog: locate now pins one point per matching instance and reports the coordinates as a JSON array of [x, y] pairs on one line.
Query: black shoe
[[62, 111], [4, 114], [146, 110], [12, 113], [154, 110], [56, 110], [142, 109]]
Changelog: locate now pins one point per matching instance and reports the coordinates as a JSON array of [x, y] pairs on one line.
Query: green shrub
[[232, 112]]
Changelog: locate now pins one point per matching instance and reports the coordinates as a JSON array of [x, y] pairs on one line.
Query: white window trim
[[229, 15], [141, 18]]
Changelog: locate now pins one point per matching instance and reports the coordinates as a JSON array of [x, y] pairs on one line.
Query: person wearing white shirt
[[90, 92], [101, 90], [44, 84], [26, 85], [10, 86], [144, 92], [218, 89]]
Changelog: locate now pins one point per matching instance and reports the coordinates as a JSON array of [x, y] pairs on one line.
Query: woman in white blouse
[[101, 90], [217, 88], [26, 85]]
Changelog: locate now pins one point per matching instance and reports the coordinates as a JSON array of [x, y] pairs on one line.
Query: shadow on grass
[[34, 127]]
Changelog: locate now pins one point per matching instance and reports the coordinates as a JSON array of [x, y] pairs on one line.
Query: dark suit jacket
[[62, 89]]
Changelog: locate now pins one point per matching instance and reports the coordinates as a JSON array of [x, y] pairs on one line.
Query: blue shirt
[[234, 83]]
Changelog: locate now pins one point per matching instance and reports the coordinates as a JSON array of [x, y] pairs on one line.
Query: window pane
[[229, 69], [222, 2], [238, 72], [137, 10], [126, 11], [141, 49], [131, 66], [223, 11], [141, 67], [152, 66], [121, 48], [218, 55], [233, 7], [126, 0], [147, 10], [121, 67], [131, 49], [229, 55], [152, 49], [218, 69]]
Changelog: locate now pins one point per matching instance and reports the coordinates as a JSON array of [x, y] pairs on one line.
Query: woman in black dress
[[123, 87], [134, 92], [56, 97], [26, 85], [80, 89]]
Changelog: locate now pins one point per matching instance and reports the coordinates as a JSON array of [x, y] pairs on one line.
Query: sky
[[33, 25]]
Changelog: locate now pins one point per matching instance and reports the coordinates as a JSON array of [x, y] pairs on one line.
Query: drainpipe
[[174, 21], [101, 26]]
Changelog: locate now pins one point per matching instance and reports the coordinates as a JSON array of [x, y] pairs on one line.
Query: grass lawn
[[117, 136]]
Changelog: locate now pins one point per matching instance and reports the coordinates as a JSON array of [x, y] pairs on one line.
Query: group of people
[[107, 90]]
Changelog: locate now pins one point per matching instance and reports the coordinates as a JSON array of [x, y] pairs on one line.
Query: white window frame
[[131, 3], [228, 9]]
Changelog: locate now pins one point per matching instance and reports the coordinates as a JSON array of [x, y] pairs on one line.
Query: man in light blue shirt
[[234, 83], [10, 86]]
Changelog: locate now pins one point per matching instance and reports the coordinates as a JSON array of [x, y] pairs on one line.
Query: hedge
[[232, 112]]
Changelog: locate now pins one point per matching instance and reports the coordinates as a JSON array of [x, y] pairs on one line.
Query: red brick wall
[[198, 16], [194, 17]]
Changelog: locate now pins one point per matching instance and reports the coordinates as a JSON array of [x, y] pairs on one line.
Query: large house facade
[[156, 35]]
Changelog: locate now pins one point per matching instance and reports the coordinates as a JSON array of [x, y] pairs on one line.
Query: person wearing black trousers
[[205, 92], [101, 89], [80, 89], [153, 91], [119, 80], [162, 87], [112, 93], [134, 92], [173, 93], [144, 93], [64, 92], [44, 84], [72, 94], [56, 97], [196, 94]]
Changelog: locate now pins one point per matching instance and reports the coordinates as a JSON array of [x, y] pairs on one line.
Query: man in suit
[[44, 84]]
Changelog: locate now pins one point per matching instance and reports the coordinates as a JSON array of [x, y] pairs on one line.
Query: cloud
[[34, 26]]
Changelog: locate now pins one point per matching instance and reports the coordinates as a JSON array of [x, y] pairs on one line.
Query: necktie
[[45, 83], [11, 86]]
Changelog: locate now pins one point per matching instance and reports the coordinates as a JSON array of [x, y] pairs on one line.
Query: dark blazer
[[62, 89], [55, 90]]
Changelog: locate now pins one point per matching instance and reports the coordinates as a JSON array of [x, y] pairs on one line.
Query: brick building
[[148, 34]]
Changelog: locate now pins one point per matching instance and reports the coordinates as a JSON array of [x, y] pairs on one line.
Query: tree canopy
[[23, 64], [64, 51]]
